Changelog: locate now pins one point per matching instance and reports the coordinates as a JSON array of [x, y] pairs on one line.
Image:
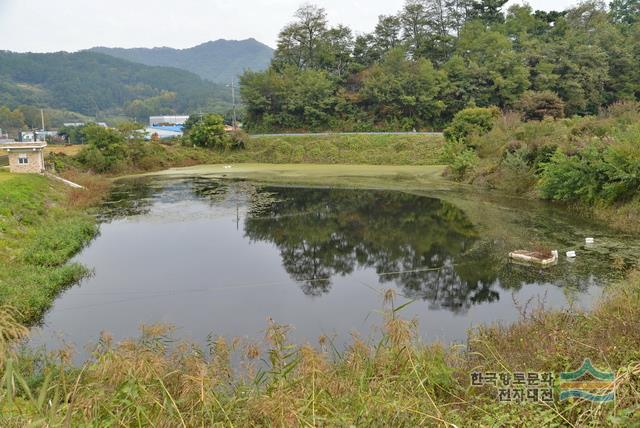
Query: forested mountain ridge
[[96, 85], [417, 68], [218, 61]]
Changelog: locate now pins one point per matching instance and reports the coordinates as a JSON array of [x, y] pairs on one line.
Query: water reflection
[[419, 243], [426, 246]]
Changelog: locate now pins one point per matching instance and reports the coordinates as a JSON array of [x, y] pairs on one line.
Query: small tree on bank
[[208, 132], [538, 105]]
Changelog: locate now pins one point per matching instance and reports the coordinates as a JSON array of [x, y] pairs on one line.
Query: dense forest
[[435, 57], [98, 86], [219, 61]]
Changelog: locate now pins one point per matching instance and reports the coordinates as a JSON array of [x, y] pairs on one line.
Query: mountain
[[218, 61], [95, 84]]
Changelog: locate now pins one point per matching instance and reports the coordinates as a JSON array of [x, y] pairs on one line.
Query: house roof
[[19, 145]]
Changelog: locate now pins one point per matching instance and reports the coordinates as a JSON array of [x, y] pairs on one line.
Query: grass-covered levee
[[392, 380], [42, 224]]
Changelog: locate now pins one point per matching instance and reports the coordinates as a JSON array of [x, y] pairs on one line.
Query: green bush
[[105, 150], [461, 159], [538, 105], [609, 175], [208, 132], [471, 121]]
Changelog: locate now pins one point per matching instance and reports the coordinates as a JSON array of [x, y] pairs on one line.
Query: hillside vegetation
[[421, 66], [219, 61], [591, 161], [98, 85]]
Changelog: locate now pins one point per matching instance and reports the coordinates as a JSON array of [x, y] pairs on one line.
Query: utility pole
[[42, 117], [233, 98]]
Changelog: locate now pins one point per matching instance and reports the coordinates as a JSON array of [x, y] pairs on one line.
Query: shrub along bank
[[590, 162], [123, 157]]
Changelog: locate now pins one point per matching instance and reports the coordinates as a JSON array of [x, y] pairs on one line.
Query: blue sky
[[53, 25]]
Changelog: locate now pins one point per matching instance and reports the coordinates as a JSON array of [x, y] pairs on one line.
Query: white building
[[167, 120]]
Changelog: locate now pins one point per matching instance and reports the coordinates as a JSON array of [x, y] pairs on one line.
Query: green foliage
[[402, 91], [474, 121], [95, 84], [39, 231], [460, 159], [106, 149], [594, 174], [288, 99], [208, 132], [420, 67], [538, 105], [593, 160]]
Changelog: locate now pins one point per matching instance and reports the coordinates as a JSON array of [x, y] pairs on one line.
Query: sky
[[71, 25]]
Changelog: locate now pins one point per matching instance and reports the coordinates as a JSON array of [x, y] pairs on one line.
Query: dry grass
[[96, 188], [64, 149], [394, 381]]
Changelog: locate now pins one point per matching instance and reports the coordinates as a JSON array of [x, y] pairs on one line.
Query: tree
[[299, 42], [208, 132], [403, 92], [488, 12], [106, 149], [538, 105], [336, 50], [415, 20], [625, 11], [471, 121], [493, 68], [12, 121], [387, 34]]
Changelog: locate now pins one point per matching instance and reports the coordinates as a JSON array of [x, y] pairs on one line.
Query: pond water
[[216, 257]]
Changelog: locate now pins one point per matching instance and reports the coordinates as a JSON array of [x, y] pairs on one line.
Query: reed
[[395, 380]]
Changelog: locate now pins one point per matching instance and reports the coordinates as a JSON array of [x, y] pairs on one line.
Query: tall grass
[[393, 381]]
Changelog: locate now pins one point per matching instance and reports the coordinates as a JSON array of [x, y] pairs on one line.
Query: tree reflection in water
[[425, 245]]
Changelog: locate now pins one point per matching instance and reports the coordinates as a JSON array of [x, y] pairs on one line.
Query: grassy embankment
[[312, 149], [42, 224], [591, 163], [397, 381]]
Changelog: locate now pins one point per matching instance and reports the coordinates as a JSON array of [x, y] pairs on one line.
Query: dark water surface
[[213, 257]]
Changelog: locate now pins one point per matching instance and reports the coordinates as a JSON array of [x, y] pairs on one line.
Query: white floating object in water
[[227, 166], [571, 254], [589, 240], [533, 257]]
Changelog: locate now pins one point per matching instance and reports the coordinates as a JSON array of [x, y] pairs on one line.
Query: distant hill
[[218, 61], [95, 84]]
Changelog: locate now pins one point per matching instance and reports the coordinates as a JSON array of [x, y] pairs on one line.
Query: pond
[[215, 257]]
